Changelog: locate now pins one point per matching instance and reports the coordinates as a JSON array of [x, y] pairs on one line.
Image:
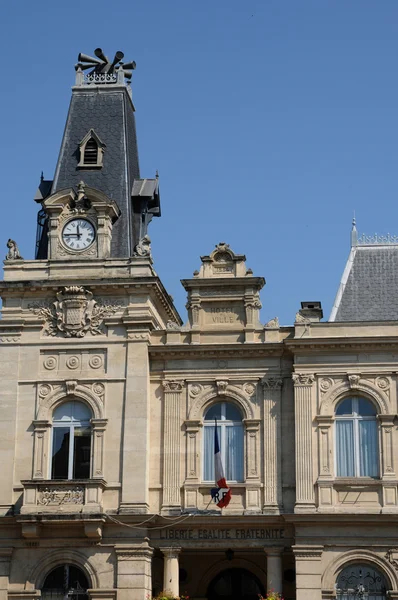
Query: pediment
[[82, 200]]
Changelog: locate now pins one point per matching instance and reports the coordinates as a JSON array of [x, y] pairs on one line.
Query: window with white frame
[[356, 438], [71, 441], [230, 438]]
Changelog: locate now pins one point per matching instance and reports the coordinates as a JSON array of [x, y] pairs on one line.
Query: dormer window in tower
[[91, 150]]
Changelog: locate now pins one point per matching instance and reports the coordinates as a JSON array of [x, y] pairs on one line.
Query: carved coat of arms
[[74, 313]]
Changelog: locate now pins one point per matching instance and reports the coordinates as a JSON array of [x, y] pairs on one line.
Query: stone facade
[[99, 334]]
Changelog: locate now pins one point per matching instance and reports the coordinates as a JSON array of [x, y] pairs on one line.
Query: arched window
[[71, 441], [65, 583], [230, 436], [360, 581], [356, 439]]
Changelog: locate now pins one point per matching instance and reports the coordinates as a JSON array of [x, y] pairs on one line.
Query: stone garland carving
[[272, 324], [57, 496], [9, 338], [74, 313], [13, 251], [303, 379]]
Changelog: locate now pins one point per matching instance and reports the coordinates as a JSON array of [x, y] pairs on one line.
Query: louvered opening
[[91, 153]]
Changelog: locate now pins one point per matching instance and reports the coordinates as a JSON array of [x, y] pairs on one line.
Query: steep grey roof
[[111, 114], [369, 287]]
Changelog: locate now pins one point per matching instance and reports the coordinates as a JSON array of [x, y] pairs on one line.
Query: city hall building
[[109, 398]]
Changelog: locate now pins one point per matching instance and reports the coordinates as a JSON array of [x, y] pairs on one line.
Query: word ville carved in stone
[[74, 313]]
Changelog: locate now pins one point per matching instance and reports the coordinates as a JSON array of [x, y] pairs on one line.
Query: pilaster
[[97, 461], [305, 497], [308, 572], [135, 457], [134, 571], [171, 449], [40, 444], [272, 387], [5, 561]]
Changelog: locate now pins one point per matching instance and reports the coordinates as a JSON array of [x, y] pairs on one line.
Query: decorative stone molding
[[360, 555], [48, 403], [71, 386], [54, 558], [207, 396], [172, 385], [392, 557], [303, 379], [353, 381], [222, 387], [249, 388], [272, 383], [40, 444], [325, 384], [72, 496], [74, 313], [343, 388], [195, 389], [307, 552]]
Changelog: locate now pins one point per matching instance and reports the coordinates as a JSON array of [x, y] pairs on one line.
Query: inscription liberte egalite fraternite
[[235, 533]]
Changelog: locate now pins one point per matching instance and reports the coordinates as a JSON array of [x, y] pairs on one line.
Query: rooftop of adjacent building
[[369, 285]]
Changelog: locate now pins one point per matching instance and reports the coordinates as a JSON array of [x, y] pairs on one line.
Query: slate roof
[[369, 287], [111, 114]]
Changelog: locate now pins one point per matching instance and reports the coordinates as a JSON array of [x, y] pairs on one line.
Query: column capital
[[132, 551], [272, 383], [303, 379], [307, 552], [171, 551], [173, 385], [273, 550]]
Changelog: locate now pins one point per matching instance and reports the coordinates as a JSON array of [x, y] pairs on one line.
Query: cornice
[[223, 350]]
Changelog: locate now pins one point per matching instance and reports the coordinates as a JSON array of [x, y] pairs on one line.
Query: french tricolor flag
[[221, 495]]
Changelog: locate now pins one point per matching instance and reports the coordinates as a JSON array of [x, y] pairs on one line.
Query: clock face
[[78, 234]]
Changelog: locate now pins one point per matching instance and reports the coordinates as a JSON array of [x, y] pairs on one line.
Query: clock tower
[[97, 205]]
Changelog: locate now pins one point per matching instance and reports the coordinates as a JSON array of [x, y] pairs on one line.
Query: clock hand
[[70, 234], [79, 235]]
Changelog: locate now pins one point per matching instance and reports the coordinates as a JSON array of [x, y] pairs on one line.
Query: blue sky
[[270, 122]]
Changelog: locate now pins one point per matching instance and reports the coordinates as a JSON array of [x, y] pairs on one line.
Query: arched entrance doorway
[[235, 584], [66, 582], [360, 581]]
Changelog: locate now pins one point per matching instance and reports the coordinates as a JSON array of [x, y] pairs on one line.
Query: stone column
[[134, 571], [171, 447], [308, 572], [171, 570], [272, 387], [274, 569], [305, 498], [135, 451]]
